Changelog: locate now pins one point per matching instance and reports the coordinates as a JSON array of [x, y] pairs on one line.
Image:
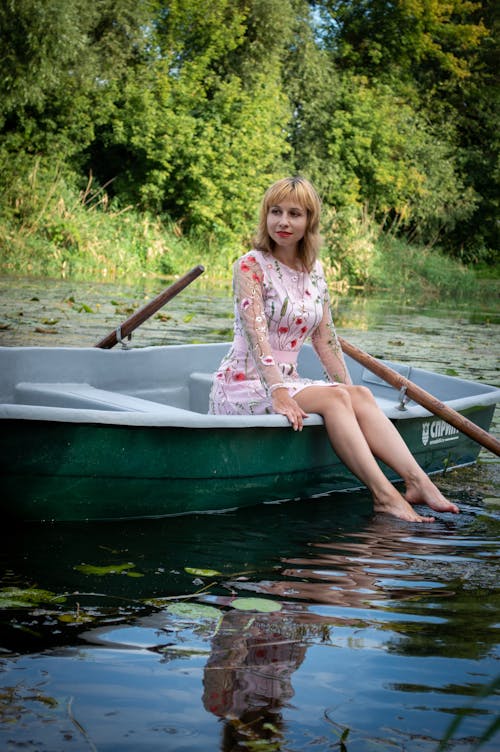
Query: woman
[[281, 297]]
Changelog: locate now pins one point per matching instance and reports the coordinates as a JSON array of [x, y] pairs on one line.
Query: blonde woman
[[281, 298]]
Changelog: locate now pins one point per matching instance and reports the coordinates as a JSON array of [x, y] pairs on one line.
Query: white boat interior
[[170, 385]]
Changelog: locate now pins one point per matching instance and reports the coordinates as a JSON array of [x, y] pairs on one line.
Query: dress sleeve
[[326, 343], [248, 281]]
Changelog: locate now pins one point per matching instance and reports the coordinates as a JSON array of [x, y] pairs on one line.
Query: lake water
[[139, 636]]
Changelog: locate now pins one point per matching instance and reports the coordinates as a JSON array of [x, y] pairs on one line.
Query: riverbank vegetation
[[138, 137]]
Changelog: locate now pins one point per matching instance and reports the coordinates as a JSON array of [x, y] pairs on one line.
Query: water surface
[[128, 636]]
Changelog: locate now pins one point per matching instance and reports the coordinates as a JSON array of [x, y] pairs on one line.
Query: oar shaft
[[144, 313], [419, 395]]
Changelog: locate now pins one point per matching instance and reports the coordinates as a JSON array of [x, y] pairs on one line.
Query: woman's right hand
[[287, 406]]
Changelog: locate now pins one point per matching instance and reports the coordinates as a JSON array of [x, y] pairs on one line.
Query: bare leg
[[349, 443], [386, 443]]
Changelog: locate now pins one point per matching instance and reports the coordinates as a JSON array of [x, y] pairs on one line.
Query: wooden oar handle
[[419, 395], [144, 313]]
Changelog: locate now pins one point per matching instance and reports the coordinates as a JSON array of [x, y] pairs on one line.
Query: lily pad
[[101, 571], [27, 597], [75, 618], [202, 572], [264, 605], [194, 611], [45, 330]]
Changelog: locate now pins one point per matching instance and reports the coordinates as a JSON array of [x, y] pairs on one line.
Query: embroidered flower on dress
[[239, 376], [245, 303], [244, 267], [268, 360], [298, 321], [283, 329], [293, 343]]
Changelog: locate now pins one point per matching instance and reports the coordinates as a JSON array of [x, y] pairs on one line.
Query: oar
[[423, 398], [140, 316]]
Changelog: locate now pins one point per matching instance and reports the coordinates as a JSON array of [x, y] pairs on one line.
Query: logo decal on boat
[[438, 432]]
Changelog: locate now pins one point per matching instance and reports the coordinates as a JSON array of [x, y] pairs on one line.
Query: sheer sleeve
[[326, 343], [248, 281]]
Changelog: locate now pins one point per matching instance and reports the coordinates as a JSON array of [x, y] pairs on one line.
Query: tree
[[59, 60], [441, 57], [199, 128], [434, 42]]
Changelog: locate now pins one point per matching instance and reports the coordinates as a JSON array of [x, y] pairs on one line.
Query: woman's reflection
[[247, 679]]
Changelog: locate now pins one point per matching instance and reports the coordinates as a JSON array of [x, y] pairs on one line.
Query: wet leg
[[349, 443], [386, 443]]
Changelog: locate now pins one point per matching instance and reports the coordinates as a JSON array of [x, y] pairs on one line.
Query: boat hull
[[69, 471]]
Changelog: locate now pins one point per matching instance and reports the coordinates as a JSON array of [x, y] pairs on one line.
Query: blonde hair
[[300, 190]]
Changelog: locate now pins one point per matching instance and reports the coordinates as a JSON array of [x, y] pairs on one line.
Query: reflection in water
[[247, 679], [378, 579], [386, 629]]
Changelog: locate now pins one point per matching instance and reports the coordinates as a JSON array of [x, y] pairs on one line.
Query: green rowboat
[[92, 434]]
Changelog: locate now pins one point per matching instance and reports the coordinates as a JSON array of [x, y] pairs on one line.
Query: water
[[127, 636]]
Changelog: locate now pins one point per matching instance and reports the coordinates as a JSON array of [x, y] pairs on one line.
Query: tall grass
[[358, 254], [49, 227], [409, 269]]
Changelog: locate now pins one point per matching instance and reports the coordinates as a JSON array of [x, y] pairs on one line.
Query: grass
[[407, 269], [50, 229]]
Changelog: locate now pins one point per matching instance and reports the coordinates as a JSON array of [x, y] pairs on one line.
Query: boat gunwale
[[174, 417]]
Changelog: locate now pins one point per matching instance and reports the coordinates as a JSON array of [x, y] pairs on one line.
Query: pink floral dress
[[276, 309]]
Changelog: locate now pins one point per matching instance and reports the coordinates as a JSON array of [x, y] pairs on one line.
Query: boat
[[96, 434]]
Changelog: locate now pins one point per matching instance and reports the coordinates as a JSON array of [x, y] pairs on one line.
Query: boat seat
[[200, 383], [81, 395]]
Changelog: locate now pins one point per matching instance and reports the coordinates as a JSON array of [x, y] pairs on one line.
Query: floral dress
[[276, 309]]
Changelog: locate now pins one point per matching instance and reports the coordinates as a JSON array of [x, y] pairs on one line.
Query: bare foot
[[393, 503], [423, 491]]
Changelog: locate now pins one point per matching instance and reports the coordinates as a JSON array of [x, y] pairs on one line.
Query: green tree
[[199, 127], [434, 42], [441, 57], [59, 61]]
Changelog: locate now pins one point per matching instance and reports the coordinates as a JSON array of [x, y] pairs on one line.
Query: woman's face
[[286, 224]]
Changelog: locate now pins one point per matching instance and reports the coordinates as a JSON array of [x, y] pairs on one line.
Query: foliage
[[416, 269], [132, 131], [433, 41], [199, 141], [48, 227], [378, 152], [440, 57], [350, 253]]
